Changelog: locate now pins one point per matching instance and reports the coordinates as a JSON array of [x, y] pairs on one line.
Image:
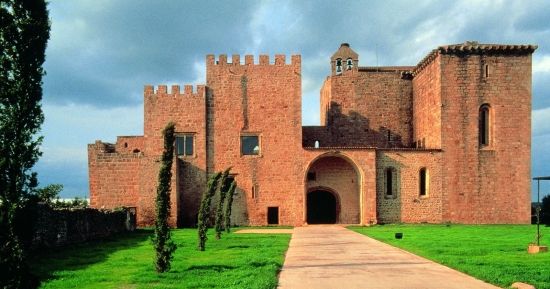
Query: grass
[[235, 261], [494, 253]]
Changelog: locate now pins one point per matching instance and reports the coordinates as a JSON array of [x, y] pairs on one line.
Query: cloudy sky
[[101, 53]]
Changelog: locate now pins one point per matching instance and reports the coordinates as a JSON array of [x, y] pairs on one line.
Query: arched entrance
[[332, 192], [322, 207]]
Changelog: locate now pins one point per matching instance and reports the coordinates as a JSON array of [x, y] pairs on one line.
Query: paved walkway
[[334, 257]]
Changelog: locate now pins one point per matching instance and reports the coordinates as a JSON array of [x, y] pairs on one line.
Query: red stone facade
[[447, 140]]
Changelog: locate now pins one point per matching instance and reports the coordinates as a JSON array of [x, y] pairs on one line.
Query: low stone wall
[[59, 227]]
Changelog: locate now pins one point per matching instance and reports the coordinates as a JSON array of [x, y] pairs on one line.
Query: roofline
[[472, 47]]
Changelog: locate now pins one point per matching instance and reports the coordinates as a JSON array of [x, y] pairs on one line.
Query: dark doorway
[[273, 215], [321, 207]]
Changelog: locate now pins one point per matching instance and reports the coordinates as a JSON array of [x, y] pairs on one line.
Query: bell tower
[[345, 59]]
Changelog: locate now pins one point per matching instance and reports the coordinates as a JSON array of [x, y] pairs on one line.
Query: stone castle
[[447, 140]]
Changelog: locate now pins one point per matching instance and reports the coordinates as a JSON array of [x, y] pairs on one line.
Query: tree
[[24, 33], [204, 210], [227, 216], [164, 246], [223, 188], [49, 194]]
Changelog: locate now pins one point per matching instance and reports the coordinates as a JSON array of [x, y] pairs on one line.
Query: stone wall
[[60, 227], [486, 184], [261, 98], [114, 176], [338, 176], [365, 107], [406, 204]]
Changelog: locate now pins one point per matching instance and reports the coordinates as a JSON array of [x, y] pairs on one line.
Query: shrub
[[229, 197], [223, 187], [204, 210], [163, 244]]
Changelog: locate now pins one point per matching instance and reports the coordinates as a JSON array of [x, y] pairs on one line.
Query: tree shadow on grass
[[44, 264], [216, 268]]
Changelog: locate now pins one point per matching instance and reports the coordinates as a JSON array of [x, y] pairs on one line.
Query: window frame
[[185, 135], [423, 182], [485, 126], [391, 185], [259, 154]]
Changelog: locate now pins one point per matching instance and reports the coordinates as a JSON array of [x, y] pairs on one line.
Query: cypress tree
[[24, 33], [164, 246], [223, 188], [204, 210], [227, 215]]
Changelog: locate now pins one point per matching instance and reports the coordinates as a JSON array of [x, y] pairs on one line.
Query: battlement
[[262, 60], [175, 90]]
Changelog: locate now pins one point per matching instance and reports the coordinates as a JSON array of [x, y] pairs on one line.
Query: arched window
[[388, 176], [339, 65], [484, 125], [423, 182], [349, 64]]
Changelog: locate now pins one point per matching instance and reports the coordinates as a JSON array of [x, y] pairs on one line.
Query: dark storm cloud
[[104, 52]]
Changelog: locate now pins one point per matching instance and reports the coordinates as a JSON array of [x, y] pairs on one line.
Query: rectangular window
[[423, 182], [273, 215], [389, 184], [250, 145], [253, 191], [184, 145]]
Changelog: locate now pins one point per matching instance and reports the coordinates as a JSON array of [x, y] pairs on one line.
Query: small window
[[273, 215], [250, 145], [349, 64], [486, 70], [184, 145], [389, 181], [484, 125], [253, 191], [423, 176], [311, 176], [338, 65]]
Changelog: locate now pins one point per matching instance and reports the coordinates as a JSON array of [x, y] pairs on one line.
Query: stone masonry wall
[[488, 184], [365, 108], [260, 98], [406, 205], [187, 109], [427, 106], [339, 176], [113, 176]]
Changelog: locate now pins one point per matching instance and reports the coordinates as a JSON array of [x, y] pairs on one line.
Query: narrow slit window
[[389, 181], [423, 176], [486, 70], [254, 191], [185, 145], [484, 125]]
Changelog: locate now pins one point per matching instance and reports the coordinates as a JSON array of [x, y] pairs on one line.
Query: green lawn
[[235, 261], [494, 253]]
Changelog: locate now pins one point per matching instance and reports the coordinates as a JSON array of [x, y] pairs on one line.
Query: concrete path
[[334, 257], [264, 231]]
